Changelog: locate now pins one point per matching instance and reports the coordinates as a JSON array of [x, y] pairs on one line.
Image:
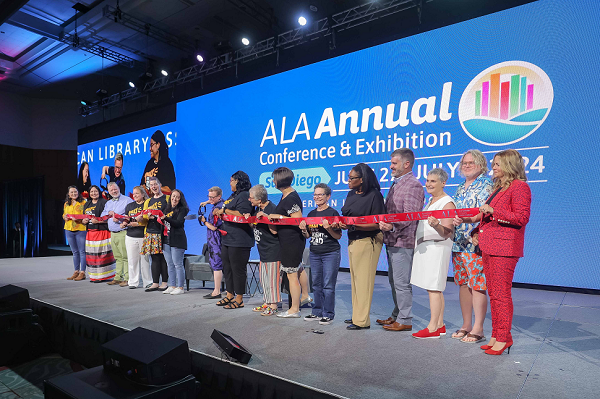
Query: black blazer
[[177, 237]]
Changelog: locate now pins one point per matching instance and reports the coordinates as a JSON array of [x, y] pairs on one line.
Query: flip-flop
[[464, 334], [478, 338]]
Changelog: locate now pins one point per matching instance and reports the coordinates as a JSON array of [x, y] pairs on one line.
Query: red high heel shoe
[[486, 347], [507, 346]]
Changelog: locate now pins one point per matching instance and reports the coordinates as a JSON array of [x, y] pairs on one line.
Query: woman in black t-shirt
[[236, 244], [267, 243], [153, 236], [324, 256], [134, 240], [98, 251], [364, 241], [291, 241]]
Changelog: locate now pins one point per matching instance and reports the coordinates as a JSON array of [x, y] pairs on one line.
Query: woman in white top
[[433, 249]]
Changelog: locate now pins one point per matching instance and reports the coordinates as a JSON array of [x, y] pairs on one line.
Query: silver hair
[[439, 172], [112, 183], [259, 192], [478, 158]]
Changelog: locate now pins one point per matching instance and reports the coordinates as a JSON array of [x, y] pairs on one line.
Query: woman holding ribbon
[[324, 255], [466, 257], [134, 240], [291, 241], [267, 243], [501, 237], [100, 261], [153, 235], [175, 242], [433, 249], [75, 231], [364, 241], [236, 244]]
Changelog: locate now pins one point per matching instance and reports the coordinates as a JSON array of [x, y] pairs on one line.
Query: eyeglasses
[[213, 196], [118, 167], [468, 164], [319, 195], [353, 178], [153, 144]]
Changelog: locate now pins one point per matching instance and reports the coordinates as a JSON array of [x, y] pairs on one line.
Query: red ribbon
[[349, 220], [156, 212]]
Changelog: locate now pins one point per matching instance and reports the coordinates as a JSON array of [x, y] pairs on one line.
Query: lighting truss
[[140, 26], [348, 19], [98, 50]]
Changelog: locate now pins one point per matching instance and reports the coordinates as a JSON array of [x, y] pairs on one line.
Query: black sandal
[[234, 305], [223, 302]]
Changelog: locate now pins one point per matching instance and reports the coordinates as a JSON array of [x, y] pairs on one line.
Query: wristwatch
[[352, 228]]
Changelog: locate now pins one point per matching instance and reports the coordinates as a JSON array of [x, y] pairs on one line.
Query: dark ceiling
[[38, 59]]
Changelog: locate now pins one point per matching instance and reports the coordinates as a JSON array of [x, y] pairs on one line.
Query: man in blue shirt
[[117, 235]]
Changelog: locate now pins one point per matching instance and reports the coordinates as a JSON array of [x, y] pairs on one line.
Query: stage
[[556, 349]]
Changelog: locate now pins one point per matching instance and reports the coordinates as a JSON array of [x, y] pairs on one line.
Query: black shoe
[[163, 289], [211, 296], [151, 289], [131, 287], [348, 321], [355, 327]]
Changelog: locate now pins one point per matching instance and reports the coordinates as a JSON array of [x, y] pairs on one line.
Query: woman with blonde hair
[[501, 237]]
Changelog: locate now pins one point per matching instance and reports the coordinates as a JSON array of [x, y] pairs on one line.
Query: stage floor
[[556, 353]]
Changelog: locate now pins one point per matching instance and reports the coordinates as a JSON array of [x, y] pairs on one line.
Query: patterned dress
[[213, 239]]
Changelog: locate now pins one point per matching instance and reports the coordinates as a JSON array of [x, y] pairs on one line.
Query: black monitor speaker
[[13, 298], [147, 357], [231, 347]]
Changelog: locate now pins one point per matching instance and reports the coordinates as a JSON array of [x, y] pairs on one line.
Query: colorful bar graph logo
[[516, 96], [506, 103]]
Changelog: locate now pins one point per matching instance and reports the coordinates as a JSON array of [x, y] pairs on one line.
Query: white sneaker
[[168, 290], [311, 317], [177, 291]]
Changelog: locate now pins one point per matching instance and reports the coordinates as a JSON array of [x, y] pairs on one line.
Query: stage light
[[131, 84], [245, 41], [302, 21], [83, 102], [199, 58], [164, 73]]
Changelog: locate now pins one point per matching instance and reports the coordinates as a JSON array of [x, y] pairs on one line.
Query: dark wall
[[59, 171]]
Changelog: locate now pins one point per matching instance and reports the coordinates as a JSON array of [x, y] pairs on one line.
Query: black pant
[[235, 264], [159, 268]]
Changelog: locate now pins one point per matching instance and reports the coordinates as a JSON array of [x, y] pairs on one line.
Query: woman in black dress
[[236, 244], [291, 240]]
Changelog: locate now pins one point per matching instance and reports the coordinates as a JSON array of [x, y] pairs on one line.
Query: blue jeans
[[174, 258], [76, 241], [324, 270]]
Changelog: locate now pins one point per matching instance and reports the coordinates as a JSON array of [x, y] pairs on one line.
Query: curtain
[[22, 202]]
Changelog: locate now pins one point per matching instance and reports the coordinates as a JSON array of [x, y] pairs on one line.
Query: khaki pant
[[117, 241], [363, 255]]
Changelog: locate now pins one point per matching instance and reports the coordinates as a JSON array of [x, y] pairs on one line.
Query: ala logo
[[505, 103]]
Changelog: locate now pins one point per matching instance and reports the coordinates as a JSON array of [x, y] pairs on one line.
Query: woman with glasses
[[364, 241], [324, 256]]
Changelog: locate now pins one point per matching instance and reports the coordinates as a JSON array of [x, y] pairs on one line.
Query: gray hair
[[440, 173], [142, 191], [112, 183], [478, 158], [404, 154], [325, 187], [154, 178], [259, 192], [216, 189]]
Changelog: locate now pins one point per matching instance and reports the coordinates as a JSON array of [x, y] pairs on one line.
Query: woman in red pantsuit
[[501, 236]]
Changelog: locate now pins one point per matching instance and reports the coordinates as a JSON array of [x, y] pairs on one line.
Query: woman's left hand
[[485, 208], [433, 222]]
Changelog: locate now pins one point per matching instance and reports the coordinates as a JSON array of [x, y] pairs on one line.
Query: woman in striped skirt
[[98, 252]]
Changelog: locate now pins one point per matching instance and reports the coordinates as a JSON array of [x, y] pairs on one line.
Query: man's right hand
[[383, 226]]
